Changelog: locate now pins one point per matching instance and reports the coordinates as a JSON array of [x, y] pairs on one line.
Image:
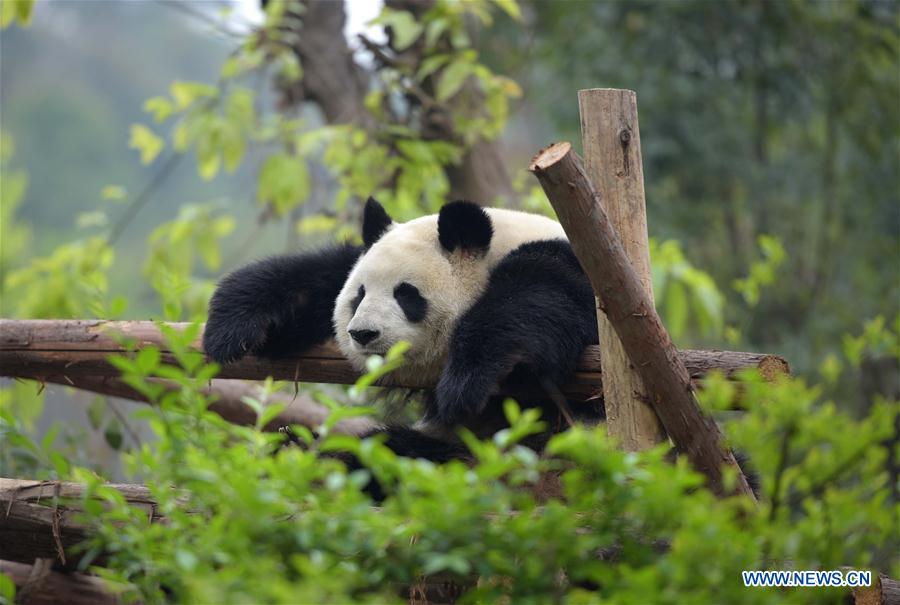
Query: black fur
[[464, 225], [533, 320], [278, 305], [357, 300], [375, 222], [537, 311], [411, 301]]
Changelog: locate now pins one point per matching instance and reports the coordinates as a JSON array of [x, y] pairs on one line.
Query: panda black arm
[[278, 305], [538, 311]]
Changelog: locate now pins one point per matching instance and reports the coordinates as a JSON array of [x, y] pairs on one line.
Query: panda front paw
[[228, 338], [458, 398]]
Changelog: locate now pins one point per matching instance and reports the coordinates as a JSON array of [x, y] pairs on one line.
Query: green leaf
[[239, 107], [269, 413], [452, 79], [185, 559], [446, 562], [60, 463], [233, 145], [317, 223], [144, 140], [50, 437], [13, 10], [185, 93], [113, 435], [404, 27], [96, 412], [160, 107], [23, 10], [113, 193], [433, 31], [117, 306], [7, 589], [676, 309], [283, 182], [511, 8], [431, 65]]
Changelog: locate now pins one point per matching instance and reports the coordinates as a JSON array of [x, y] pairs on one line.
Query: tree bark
[[632, 314], [612, 160], [39, 521], [883, 591], [38, 584], [75, 353], [338, 86], [228, 402]]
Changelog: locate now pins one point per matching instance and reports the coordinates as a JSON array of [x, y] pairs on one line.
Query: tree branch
[[631, 312]]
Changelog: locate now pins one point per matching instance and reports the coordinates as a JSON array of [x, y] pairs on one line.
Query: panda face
[[405, 288], [416, 279]]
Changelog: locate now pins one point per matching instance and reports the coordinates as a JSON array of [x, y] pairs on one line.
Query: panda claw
[[226, 340], [457, 400]]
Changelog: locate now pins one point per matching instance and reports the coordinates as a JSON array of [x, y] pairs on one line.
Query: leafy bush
[[246, 519]]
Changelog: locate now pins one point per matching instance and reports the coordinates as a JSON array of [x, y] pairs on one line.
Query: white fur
[[450, 283]]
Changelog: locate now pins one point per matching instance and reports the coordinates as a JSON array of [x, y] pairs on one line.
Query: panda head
[[412, 283]]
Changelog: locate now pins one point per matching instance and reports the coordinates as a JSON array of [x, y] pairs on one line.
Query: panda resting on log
[[479, 293]]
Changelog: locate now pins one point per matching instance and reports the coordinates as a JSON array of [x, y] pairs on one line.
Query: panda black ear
[[464, 225], [375, 222]]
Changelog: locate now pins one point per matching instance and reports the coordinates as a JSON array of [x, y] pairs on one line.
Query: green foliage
[[146, 142], [762, 272], [283, 182], [684, 294], [70, 282], [878, 339], [15, 10], [248, 519], [15, 236], [795, 140], [175, 250], [384, 153]]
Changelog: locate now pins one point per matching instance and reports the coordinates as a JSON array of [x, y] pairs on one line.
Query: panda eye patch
[[360, 295], [412, 303]]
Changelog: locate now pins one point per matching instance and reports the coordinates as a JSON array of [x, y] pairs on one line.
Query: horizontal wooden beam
[[79, 348]]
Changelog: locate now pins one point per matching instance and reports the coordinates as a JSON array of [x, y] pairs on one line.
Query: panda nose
[[364, 337]]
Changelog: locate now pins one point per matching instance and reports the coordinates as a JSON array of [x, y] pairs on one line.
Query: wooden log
[[632, 314], [75, 351], [38, 520], [883, 591], [228, 402], [612, 160], [38, 584]]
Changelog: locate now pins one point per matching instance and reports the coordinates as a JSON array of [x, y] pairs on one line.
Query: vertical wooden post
[[612, 156]]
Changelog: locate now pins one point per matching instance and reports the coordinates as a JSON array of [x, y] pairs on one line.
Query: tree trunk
[[338, 86]]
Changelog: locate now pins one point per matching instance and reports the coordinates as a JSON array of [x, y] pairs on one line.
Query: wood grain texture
[[38, 584], [883, 591], [632, 314], [38, 519], [611, 141], [75, 353]]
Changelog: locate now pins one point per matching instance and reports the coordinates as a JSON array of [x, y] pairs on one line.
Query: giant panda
[[479, 293]]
